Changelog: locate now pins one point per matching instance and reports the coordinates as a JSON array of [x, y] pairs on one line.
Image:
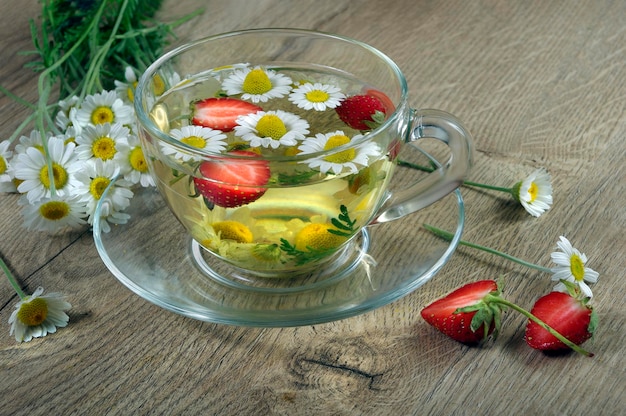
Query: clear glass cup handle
[[434, 124]]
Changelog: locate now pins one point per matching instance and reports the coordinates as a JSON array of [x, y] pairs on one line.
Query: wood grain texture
[[538, 84]]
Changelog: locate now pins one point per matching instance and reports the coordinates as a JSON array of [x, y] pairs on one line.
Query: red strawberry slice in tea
[[221, 113], [567, 315], [233, 182]]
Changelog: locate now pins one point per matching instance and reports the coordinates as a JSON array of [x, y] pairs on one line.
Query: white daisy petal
[[36, 315], [571, 267], [346, 161], [535, 192], [257, 84]]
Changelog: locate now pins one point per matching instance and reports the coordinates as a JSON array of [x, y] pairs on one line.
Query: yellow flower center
[[257, 82], [339, 157], [3, 165], [33, 313], [98, 186], [577, 267], [138, 160], [270, 125], [317, 237], [104, 148], [194, 141], [158, 85], [233, 230], [58, 172], [317, 96], [54, 210], [130, 91], [533, 191], [102, 114]]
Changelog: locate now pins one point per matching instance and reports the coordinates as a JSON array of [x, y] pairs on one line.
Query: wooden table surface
[[538, 83]]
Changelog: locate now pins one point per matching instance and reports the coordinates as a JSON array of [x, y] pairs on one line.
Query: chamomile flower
[[36, 315], [126, 90], [271, 129], [571, 267], [103, 108], [6, 175], [66, 116], [341, 161], [53, 214], [32, 168], [104, 142], [257, 84], [137, 171], [316, 96], [534, 192], [94, 179], [204, 139]]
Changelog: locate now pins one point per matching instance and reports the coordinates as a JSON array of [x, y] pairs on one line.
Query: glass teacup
[[275, 148]]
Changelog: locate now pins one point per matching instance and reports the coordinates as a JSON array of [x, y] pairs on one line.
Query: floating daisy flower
[[316, 96], [53, 214], [571, 268], [257, 84], [102, 108], [126, 90], [94, 179], [337, 162], [103, 141], [137, 171], [534, 192], [6, 176], [271, 129], [36, 315], [203, 138], [32, 168]]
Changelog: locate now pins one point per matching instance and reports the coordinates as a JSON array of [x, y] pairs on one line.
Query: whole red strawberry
[[464, 315], [233, 182], [568, 315], [362, 112]]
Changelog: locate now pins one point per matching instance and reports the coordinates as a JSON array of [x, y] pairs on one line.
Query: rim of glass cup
[[147, 124]]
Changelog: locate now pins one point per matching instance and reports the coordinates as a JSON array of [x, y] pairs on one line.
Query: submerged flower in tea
[[271, 129], [316, 96], [202, 138], [338, 161], [257, 84]]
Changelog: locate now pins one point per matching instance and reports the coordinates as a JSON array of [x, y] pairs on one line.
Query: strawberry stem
[[570, 344], [448, 237]]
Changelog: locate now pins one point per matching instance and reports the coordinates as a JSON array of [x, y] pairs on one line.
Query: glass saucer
[[154, 257]]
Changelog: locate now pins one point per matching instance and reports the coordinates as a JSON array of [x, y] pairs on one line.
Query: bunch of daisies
[[63, 175]]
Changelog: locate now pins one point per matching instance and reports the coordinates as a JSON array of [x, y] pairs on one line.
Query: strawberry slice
[[233, 182], [461, 314], [362, 112], [221, 113], [569, 316]]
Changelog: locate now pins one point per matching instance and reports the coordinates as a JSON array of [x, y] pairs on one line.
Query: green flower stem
[[491, 187], [570, 344], [12, 280], [465, 183], [448, 236]]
